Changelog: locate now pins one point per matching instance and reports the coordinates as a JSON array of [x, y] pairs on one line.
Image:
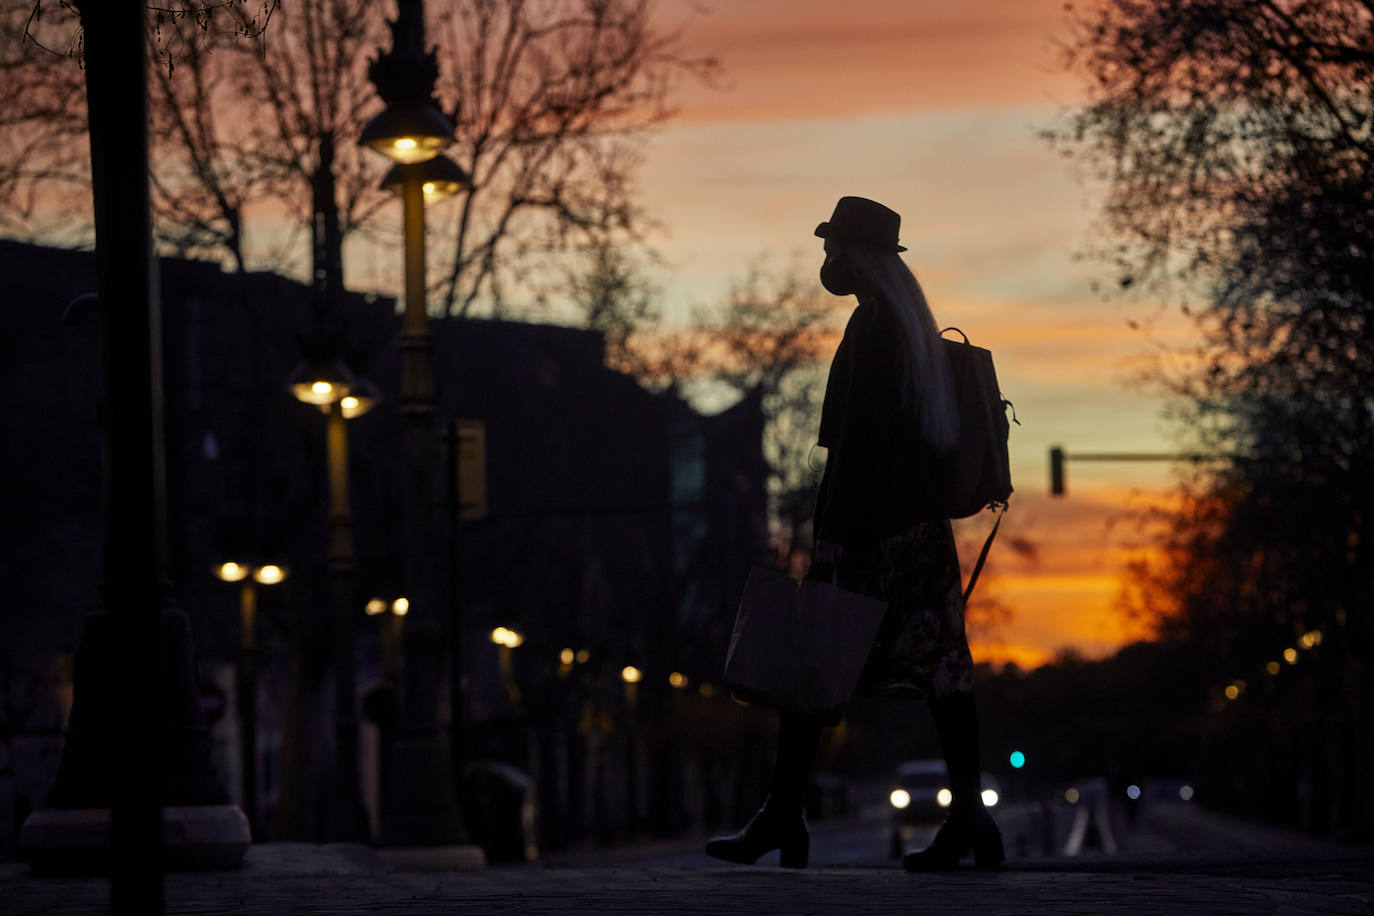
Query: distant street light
[[320, 381], [391, 632], [507, 639], [329, 385], [249, 575], [631, 676]]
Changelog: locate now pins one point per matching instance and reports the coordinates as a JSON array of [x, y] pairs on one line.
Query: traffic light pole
[[1059, 457]]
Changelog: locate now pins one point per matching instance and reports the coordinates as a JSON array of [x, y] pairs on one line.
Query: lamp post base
[[77, 840], [420, 806]]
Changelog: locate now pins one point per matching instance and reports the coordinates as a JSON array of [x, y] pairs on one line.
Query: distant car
[[920, 796]]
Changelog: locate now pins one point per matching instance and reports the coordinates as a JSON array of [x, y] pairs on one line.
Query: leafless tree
[[777, 332], [44, 151], [549, 100], [1235, 140]]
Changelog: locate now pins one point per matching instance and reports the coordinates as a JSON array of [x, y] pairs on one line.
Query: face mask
[[837, 276]]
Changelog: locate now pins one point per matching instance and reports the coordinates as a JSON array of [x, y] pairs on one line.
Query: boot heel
[[987, 850], [795, 853]]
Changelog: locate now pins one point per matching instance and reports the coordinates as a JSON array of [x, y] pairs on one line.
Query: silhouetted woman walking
[[889, 409]]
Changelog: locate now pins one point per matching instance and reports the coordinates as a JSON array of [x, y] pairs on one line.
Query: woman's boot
[[781, 822], [968, 827], [767, 830]]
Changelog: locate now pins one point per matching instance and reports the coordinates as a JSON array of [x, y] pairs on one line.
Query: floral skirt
[[921, 650]]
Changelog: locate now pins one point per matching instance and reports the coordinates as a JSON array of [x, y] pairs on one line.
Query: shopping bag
[[800, 646]]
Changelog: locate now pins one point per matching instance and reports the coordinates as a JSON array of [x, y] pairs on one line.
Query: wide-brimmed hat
[[867, 222]]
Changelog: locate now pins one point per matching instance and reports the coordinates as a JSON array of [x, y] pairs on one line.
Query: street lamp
[[329, 385], [440, 178], [362, 396], [411, 129], [321, 381], [391, 632], [631, 676], [249, 576], [408, 131], [507, 640]]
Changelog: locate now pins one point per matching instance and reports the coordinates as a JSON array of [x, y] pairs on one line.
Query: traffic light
[[1056, 470]]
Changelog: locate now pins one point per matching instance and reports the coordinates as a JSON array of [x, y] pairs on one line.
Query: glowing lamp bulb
[[631, 675], [321, 388], [400, 607], [944, 797], [567, 656], [374, 607], [406, 143], [900, 798], [990, 798], [231, 572], [270, 574]]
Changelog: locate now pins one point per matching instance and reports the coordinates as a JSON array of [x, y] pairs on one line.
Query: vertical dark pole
[[455, 615], [248, 701], [135, 533], [422, 806], [349, 818], [1056, 471], [417, 415]]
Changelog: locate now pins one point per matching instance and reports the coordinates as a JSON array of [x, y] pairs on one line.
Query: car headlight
[[900, 798], [944, 797]]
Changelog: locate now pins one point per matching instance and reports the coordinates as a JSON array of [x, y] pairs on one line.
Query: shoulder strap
[[982, 557]]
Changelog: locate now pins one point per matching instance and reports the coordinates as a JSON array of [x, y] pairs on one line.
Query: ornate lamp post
[[136, 739], [341, 395], [423, 808], [249, 576]]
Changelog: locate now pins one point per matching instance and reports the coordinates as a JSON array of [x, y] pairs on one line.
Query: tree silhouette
[[549, 102], [1234, 139]]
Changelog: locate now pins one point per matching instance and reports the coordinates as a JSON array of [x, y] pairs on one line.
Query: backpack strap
[[982, 557]]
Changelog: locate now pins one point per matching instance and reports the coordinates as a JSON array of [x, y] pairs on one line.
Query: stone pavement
[[288, 878]]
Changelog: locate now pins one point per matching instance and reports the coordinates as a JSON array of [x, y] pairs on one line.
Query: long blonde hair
[[928, 385]]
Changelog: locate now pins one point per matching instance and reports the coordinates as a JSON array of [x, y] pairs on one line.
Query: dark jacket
[[876, 467]]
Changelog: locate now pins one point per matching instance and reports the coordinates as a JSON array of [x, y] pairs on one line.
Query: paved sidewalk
[[288, 878]]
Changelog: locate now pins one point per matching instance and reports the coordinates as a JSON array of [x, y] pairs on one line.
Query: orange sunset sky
[[933, 108]]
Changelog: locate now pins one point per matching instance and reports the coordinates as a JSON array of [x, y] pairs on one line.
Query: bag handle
[[952, 328], [983, 556]]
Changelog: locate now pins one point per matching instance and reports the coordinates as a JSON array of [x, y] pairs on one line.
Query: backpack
[[976, 473]]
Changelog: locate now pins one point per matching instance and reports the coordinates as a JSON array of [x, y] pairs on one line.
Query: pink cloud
[[810, 59]]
